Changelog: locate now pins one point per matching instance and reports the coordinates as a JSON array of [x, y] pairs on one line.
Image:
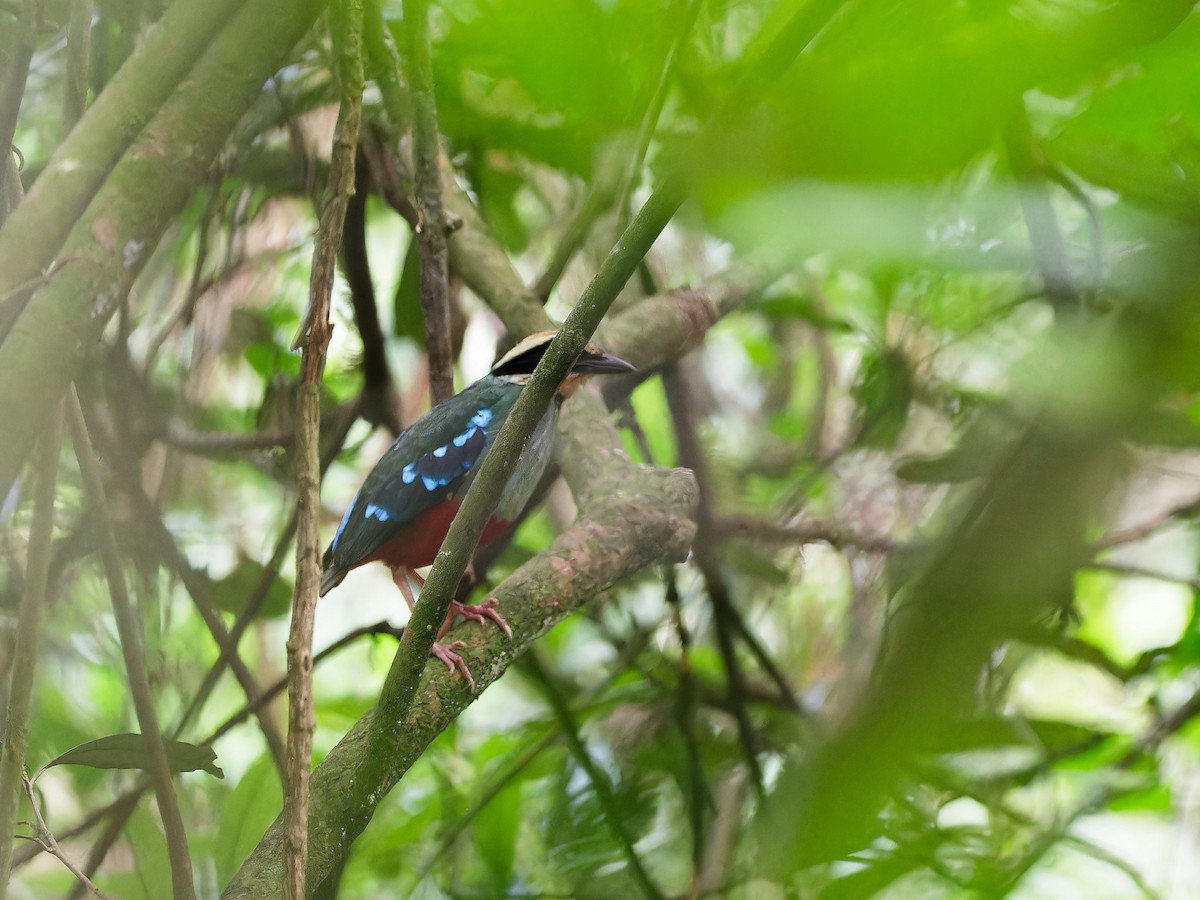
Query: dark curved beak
[[592, 362]]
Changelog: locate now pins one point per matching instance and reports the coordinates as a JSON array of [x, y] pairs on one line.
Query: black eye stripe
[[522, 363]]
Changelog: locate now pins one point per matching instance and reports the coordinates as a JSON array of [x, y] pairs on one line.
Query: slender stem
[[600, 783], [654, 107], [28, 640], [131, 637], [347, 26], [431, 227], [198, 588], [680, 400], [512, 769], [44, 838], [476, 255], [685, 715]]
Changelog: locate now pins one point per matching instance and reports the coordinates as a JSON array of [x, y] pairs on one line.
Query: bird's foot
[[480, 612], [446, 653]]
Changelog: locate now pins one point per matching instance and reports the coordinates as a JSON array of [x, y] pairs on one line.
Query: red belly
[[418, 542]]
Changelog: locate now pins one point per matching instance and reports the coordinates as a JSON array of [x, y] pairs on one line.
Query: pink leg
[[445, 652], [479, 612], [400, 579]]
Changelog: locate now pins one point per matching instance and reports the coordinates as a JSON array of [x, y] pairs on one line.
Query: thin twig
[[680, 400], [653, 109], [685, 715], [219, 444], [198, 588], [44, 838], [122, 812], [274, 690], [131, 637], [432, 227], [377, 386], [806, 531], [449, 834], [28, 641], [600, 782], [347, 27], [1141, 530], [1128, 571]]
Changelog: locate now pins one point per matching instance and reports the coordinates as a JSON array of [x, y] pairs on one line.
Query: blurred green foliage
[[954, 513]]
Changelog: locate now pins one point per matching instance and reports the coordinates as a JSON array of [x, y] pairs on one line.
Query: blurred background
[[926, 329]]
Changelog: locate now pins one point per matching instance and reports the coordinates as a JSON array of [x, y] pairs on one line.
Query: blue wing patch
[[453, 459], [378, 512], [389, 499]]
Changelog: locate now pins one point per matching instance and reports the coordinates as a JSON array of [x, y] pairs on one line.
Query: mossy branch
[[112, 239]]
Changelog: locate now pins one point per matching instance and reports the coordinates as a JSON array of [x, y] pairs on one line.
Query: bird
[[405, 506]]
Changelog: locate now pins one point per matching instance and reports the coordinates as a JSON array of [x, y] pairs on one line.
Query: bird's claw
[[481, 612], [445, 652]]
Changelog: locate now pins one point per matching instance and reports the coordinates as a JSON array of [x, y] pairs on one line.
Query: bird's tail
[[330, 579]]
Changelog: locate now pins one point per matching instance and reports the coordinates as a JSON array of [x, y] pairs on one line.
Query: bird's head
[[517, 364]]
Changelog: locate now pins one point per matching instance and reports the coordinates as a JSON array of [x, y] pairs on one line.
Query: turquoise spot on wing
[[478, 421], [408, 474], [431, 484], [378, 512], [441, 451]]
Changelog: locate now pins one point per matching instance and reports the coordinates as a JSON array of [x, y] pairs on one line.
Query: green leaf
[[1167, 429], [407, 319], [495, 830], [800, 306], [150, 877], [1154, 798], [884, 396], [128, 751], [247, 812]]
